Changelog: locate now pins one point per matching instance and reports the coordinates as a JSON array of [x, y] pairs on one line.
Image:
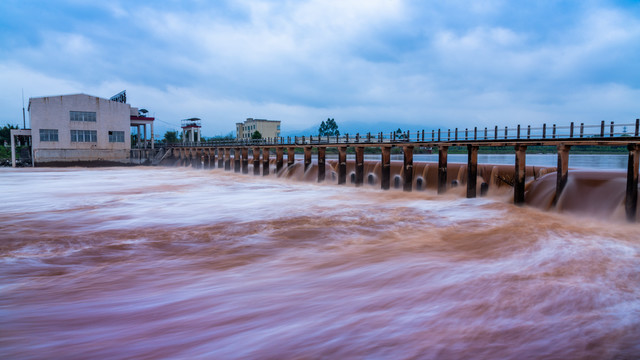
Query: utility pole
[[24, 121]]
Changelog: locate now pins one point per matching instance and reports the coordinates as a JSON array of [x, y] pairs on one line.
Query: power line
[[168, 123]]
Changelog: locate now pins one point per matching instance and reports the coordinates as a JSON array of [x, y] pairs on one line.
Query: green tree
[[229, 136], [5, 133], [322, 129], [330, 128], [171, 136], [256, 135]]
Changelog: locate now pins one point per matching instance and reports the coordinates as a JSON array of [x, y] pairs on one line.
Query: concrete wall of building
[[239, 131], [53, 112], [71, 155]]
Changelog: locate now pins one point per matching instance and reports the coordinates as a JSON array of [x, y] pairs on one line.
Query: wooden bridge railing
[[573, 131]]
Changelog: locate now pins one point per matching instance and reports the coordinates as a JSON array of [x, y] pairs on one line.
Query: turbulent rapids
[[181, 263]]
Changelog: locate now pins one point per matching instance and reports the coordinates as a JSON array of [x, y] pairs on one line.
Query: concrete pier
[[342, 165], [227, 159], [631, 198], [307, 157], [385, 169], [563, 171], [359, 166], [279, 159], [265, 161], [472, 170], [256, 161], [442, 169], [237, 164], [408, 168], [321, 164], [245, 160], [520, 174], [291, 156]]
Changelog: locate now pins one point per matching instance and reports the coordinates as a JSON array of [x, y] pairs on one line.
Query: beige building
[[267, 128], [80, 127]]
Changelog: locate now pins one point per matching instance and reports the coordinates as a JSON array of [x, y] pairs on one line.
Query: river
[[148, 263]]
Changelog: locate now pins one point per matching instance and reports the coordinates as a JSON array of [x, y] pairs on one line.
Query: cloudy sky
[[372, 65]]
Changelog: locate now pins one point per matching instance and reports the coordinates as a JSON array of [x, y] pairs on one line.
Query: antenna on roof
[[24, 122]]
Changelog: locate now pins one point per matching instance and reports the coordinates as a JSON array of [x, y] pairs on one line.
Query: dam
[[259, 153]]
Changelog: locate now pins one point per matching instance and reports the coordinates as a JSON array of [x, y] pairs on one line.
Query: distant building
[[267, 128], [80, 127]]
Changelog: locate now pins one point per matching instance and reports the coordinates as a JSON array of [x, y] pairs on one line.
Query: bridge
[[218, 153]]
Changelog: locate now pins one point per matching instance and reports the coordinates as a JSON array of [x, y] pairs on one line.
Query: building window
[[84, 136], [83, 116], [278, 127], [48, 134], [116, 136]]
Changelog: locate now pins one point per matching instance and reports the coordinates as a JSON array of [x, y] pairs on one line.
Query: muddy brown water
[[151, 263]]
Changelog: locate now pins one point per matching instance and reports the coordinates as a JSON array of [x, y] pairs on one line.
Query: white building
[[267, 128], [81, 128]]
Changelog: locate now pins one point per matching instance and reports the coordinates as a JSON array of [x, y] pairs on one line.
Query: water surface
[[178, 263]]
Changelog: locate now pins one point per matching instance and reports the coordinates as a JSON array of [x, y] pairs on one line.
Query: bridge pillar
[[563, 171], [205, 158], [214, 158], [237, 156], [342, 165], [442, 169], [385, 170], [631, 200], [359, 166], [408, 168], [279, 160], [321, 163], [291, 156], [307, 158], [472, 170], [227, 159], [256, 161], [245, 160], [220, 158], [520, 173], [265, 161]]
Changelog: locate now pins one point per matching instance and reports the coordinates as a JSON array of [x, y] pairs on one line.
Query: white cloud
[[419, 63]]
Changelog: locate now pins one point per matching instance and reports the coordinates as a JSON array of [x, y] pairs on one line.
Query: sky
[[372, 65]]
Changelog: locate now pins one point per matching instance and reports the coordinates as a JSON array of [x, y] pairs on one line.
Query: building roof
[[66, 95]]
